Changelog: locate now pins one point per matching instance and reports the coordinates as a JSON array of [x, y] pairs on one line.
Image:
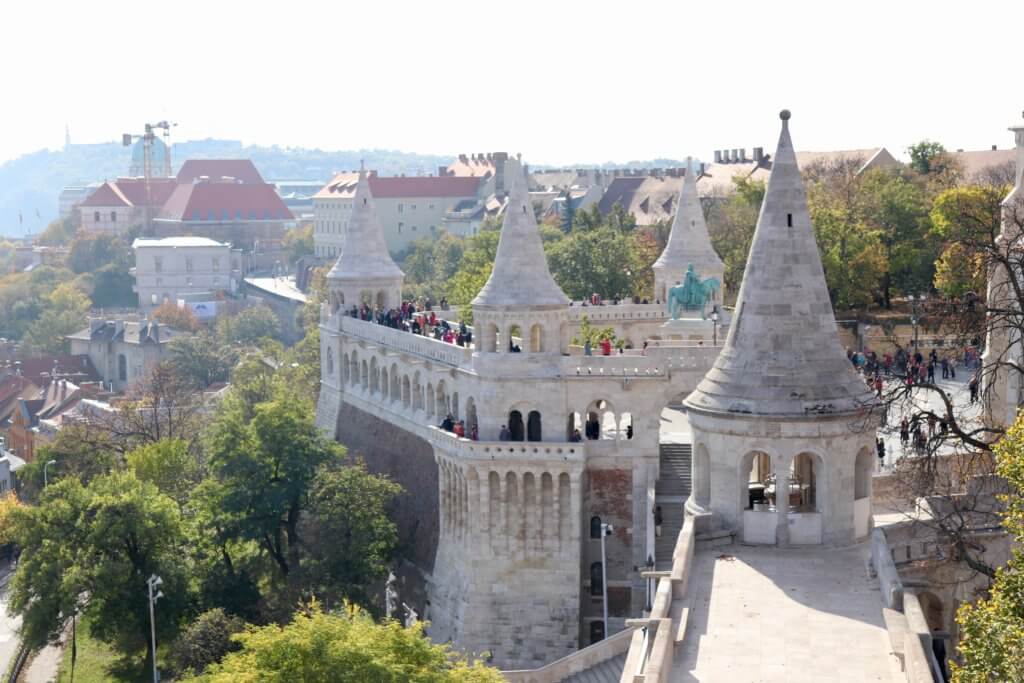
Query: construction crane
[[147, 138]]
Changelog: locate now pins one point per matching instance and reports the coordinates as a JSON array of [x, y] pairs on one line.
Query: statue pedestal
[[689, 329]]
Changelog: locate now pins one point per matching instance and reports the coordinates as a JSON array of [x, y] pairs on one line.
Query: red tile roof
[[343, 186], [129, 192], [225, 201], [39, 370], [239, 169]]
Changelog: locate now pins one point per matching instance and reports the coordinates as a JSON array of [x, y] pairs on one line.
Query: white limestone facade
[[783, 429], [169, 268]]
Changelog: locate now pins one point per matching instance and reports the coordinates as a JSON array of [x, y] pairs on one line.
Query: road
[[8, 625]]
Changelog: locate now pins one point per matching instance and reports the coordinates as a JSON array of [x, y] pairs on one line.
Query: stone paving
[[792, 615]]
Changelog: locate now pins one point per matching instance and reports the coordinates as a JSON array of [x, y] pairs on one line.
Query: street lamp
[[714, 325], [606, 530], [915, 303], [47, 464], [650, 568], [152, 582]]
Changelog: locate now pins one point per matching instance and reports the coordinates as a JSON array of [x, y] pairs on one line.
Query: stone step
[[608, 671]]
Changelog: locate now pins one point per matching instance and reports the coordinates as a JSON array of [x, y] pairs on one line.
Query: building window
[[596, 579], [216, 282], [430, 206], [400, 228], [595, 527], [188, 281], [158, 264], [113, 216], [216, 263], [188, 264], [96, 216], [400, 207], [122, 368]]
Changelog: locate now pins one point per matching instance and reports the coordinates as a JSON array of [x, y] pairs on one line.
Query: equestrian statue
[[691, 294]]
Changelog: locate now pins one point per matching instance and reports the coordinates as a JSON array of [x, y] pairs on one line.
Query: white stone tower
[[364, 271], [782, 430], [688, 243], [1002, 384]]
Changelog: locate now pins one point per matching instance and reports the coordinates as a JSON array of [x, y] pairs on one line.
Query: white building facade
[[175, 267]]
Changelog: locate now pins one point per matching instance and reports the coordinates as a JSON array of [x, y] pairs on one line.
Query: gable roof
[[132, 332], [977, 162], [343, 186], [242, 170], [131, 192], [224, 201]]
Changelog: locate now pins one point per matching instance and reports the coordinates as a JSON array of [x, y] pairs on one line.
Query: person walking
[[880, 447], [945, 368], [973, 387], [904, 432]]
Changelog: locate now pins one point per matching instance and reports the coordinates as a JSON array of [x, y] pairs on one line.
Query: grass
[[97, 662]]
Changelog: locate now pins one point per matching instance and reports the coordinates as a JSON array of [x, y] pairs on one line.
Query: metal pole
[[152, 631], [605, 530]]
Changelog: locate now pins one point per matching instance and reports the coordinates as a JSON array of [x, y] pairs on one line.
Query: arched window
[[862, 474], [596, 579], [533, 426], [595, 527], [330, 361], [515, 425], [122, 367], [536, 338], [406, 392]]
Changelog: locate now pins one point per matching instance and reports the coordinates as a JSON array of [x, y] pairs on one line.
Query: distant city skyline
[[562, 83]]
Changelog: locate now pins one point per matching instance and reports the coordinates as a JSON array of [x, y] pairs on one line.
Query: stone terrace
[[787, 615]]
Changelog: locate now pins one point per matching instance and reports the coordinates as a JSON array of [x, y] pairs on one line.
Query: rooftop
[[343, 186], [177, 242], [242, 170], [224, 201]]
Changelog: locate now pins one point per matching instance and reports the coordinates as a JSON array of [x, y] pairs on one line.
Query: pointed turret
[[782, 356], [688, 242], [365, 270], [520, 276]]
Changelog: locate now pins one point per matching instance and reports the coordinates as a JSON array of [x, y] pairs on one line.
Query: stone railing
[[658, 361], [577, 662], [612, 313], [909, 635], [511, 450], [406, 342], [655, 638]]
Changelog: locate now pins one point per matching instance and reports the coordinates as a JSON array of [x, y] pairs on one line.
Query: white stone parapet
[[519, 452], [606, 313], [406, 342]]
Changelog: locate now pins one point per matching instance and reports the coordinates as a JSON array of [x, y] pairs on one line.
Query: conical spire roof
[[520, 276], [364, 255], [688, 242], [782, 356]]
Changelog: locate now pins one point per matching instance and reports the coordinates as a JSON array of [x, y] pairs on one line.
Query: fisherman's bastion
[[527, 532]]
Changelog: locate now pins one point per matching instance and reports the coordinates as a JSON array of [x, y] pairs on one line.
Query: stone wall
[[408, 460]]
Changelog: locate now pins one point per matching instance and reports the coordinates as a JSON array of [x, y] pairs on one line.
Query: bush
[[206, 641]]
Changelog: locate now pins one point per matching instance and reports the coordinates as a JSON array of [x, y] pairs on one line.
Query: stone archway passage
[[533, 426], [515, 426]]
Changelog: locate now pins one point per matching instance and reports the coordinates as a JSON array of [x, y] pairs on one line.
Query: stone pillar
[[782, 501]]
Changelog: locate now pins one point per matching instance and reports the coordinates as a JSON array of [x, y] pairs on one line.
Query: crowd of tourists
[[458, 428], [416, 319]]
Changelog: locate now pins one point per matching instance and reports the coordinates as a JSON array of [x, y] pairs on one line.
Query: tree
[[991, 644], [206, 641], [64, 313], [967, 220], [249, 326], [89, 550], [200, 359], [602, 260], [731, 222], [568, 213], [60, 231], [343, 648], [179, 317], [8, 504], [924, 154], [298, 242], [354, 536], [168, 465]]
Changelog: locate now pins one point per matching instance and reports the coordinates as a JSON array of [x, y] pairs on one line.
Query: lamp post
[[714, 325], [45, 465], [606, 530], [151, 583], [650, 568], [915, 307]]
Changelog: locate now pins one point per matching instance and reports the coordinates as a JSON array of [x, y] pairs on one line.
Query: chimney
[[735, 155], [743, 154], [994, 148], [759, 154], [462, 158], [442, 171], [701, 169], [718, 156]]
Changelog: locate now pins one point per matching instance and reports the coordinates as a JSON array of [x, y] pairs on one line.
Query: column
[[782, 501]]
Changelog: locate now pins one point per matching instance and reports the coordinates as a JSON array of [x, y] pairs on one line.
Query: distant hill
[[30, 184]]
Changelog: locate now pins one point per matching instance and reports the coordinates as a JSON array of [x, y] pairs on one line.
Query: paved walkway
[[793, 616], [8, 625]]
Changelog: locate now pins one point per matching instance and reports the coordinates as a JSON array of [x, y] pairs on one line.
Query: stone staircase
[[671, 491], [608, 671]]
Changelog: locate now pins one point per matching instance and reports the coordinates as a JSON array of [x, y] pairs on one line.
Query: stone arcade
[[515, 568]]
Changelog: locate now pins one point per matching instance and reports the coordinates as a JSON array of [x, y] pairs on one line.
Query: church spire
[[688, 242], [520, 276], [364, 253], [782, 356]]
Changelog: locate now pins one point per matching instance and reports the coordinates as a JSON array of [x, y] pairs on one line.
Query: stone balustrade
[[508, 450], [622, 312], [406, 342], [576, 663], [656, 362]]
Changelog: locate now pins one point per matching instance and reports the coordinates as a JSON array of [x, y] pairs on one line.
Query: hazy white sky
[[559, 81]]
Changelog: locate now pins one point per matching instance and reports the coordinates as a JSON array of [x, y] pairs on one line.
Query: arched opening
[[573, 427], [330, 361], [366, 297], [381, 299], [533, 431], [702, 476], [454, 405], [472, 427], [515, 426], [406, 391], [490, 338], [758, 477], [385, 387], [515, 339], [122, 367], [364, 377], [601, 423], [430, 400], [596, 579], [417, 392], [442, 400], [626, 426], [345, 370], [536, 338], [354, 368], [803, 482], [396, 383], [374, 376], [595, 527]]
